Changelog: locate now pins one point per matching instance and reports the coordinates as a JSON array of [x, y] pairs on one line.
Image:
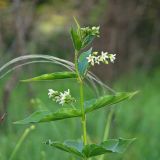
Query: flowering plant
[[81, 38]]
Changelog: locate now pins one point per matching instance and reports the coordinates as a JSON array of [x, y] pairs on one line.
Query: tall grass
[[142, 119]]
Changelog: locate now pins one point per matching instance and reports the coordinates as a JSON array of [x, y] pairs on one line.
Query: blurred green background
[[130, 29]]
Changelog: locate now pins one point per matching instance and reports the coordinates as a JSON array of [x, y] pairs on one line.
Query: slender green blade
[[52, 76], [83, 64], [70, 146], [76, 39], [46, 116], [87, 40], [107, 100], [77, 23], [109, 146]]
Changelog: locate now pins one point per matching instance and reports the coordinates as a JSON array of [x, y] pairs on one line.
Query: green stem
[[107, 129], [76, 65], [108, 124], [22, 138], [83, 120], [83, 114]]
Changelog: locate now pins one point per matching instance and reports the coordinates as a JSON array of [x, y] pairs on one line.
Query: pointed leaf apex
[[76, 21], [133, 94]]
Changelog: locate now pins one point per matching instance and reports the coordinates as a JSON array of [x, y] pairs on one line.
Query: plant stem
[[107, 129], [22, 138], [108, 124], [83, 120], [76, 65], [83, 114]]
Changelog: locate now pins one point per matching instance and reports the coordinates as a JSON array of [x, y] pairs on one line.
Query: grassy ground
[[138, 118]]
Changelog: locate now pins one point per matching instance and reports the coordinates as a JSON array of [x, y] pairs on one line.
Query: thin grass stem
[[21, 140]]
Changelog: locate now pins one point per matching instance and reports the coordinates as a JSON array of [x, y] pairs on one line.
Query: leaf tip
[[133, 94], [25, 80], [76, 21], [20, 122], [48, 142], [16, 122]]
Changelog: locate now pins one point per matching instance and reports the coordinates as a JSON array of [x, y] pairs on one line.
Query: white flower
[[57, 99], [112, 57], [61, 97], [94, 28], [95, 31], [51, 93], [104, 56], [94, 58], [67, 93], [65, 97], [97, 59], [90, 59]]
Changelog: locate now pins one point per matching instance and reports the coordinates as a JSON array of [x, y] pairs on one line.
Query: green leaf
[[52, 76], [109, 146], [107, 100], [46, 116], [76, 39], [73, 147], [87, 40], [91, 150], [83, 63]]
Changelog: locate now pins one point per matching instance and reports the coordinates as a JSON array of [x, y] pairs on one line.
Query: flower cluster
[[94, 31], [105, 57], [61, 97]]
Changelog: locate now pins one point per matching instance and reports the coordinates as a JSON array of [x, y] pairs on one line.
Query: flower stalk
[[21, 140]]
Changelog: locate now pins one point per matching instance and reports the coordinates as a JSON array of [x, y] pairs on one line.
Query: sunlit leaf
[[107, 100], [46, 116], [76, 39], [91, 150], [52, 76], [83, 63]]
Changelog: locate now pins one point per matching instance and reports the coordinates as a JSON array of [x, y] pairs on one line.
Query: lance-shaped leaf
[[71, 146], [109, 146], [52, 76], [76, 39], [47, 116], [107, 100], [83, 63], [91, 150], [87, 40]]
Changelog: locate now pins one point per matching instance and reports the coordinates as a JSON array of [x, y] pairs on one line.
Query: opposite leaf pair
[[64, 113], [86, 151]]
